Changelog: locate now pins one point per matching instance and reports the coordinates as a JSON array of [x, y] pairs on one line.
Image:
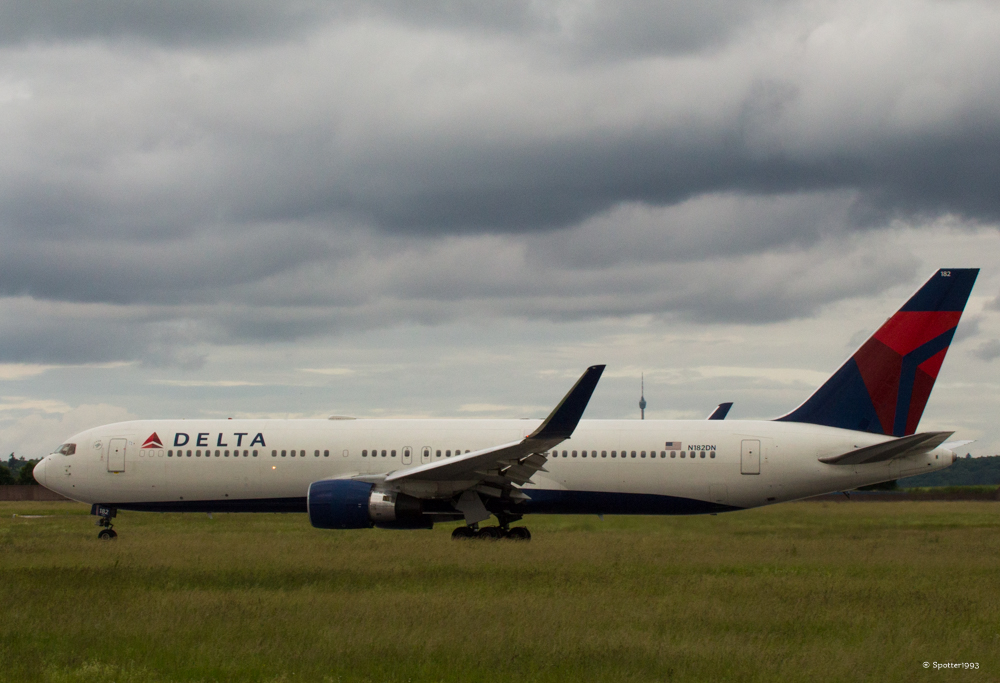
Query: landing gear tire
[[491, 533], [519, 533], [463, 532], [107, 534]]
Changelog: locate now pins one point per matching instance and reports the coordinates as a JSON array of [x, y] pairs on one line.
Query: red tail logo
[[883, 388], [153, 442]]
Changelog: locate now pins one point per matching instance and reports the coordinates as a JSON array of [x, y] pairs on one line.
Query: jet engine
[[349, 504]]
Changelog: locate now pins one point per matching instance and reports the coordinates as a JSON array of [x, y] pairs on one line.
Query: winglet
[[563, 419], [720, 412]]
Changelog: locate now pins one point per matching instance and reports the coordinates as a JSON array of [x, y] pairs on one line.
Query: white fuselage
[[246, 463]]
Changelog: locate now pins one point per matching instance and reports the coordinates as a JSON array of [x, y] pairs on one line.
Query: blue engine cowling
[[339, 504], [349, 504]]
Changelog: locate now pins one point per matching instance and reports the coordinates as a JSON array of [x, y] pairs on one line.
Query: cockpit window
[[67, 449]]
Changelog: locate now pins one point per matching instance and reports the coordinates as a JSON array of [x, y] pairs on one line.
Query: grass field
[[795, 592]]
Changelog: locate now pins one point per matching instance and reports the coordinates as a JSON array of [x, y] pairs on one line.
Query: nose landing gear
[[104, 516]]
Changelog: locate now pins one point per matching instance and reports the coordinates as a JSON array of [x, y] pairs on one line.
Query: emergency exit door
[[750, 457], [116, 455]]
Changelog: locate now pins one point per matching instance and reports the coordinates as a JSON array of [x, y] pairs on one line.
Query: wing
[[497, 470], [915, 444]]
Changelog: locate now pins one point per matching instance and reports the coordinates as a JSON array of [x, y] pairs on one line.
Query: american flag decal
[[673, 445]]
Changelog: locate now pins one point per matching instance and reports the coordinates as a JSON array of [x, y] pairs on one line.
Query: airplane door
[[407, 455], [750, 457], [116, 455], [425, 454]]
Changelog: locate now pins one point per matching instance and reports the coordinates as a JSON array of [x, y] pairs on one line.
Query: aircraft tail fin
[[884, 386]]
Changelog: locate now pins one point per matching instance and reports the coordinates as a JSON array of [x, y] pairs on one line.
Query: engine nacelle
[[349, 504]]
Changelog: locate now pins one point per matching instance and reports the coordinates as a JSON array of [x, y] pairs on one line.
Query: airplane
[[720, 411], [858, 428]]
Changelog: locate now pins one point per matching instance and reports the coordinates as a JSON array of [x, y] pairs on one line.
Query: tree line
[[17, 471]]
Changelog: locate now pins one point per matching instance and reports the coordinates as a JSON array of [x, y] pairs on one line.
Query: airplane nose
[[39, 472]]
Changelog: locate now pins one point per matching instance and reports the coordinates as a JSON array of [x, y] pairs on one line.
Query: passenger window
[[189, 454], [255, 454], [316, 454], [574, 454], [326, 454], [703, 454], [170, 454], [614, 454], [642, 454], [437, 453], [383, 454], [633, 454], [227, 453], [284, 454], [712, 454], [673, 454], [447, 454], [197, 454]]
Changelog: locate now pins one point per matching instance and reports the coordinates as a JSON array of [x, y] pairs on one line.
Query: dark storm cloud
[[228, 171], [614, 30], [36, 332], [177, 21], [189, 270]]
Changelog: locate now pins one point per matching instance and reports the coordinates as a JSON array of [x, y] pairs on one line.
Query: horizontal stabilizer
[[915, 444], [952, 445]]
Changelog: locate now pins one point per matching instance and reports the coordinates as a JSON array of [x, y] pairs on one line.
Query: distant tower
[[642, 397]]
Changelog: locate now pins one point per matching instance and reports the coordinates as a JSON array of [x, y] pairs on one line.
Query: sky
[[212, 208]]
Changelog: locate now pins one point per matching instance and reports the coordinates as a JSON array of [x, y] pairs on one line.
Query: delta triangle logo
[[153, 442]]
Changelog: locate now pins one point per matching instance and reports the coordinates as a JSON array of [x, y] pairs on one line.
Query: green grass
[[977, 488], [796, 592]]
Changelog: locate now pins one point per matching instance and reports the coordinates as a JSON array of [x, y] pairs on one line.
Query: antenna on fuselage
[[642, 396]]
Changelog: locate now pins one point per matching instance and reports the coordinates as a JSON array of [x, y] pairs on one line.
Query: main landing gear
[[104, 516], [491, 533]]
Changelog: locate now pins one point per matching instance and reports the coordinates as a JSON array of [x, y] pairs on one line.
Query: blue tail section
[[884, 386]]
